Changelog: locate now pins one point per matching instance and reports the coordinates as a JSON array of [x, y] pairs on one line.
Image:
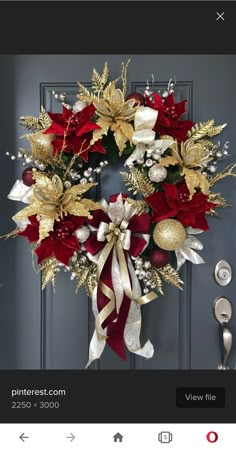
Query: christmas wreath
[[121, 250]]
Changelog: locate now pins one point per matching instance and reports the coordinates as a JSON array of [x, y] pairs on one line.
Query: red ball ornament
[[139, 98], [159, 257], [27, 177]]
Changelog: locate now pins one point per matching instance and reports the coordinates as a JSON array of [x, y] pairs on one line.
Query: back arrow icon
[[23, 437], [71, 437]]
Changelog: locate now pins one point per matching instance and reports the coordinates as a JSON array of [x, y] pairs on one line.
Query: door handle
[[223, 313], [227, 342]]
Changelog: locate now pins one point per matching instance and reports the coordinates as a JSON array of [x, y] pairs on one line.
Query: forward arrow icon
[[71, 437]]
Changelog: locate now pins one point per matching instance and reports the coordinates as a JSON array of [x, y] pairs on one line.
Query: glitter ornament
[[27, 177], [169, 234], [159, 257], [157, 173], [82, 234], [139, 98]]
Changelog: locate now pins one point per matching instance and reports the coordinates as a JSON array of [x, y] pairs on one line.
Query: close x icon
[[220, 16]]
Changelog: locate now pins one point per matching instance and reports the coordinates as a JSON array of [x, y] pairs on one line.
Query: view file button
[[200, 397]]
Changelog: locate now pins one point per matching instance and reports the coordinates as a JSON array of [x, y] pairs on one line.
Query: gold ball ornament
[[169, 234]]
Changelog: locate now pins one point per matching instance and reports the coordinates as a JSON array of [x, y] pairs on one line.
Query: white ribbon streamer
[[133, 324]]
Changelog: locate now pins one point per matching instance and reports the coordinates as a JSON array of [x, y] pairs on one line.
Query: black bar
[[75, 27], [108, 396]]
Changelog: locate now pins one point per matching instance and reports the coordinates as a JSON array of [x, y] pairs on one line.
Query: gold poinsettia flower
[[192, 157], [114, 112], [51, 202]]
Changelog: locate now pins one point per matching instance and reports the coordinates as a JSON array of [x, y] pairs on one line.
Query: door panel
[[53, 330]]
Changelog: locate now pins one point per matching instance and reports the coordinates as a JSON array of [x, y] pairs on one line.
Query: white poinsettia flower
[[186, 252]]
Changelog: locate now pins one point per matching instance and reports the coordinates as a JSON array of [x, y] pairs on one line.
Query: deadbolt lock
[[223, 273]]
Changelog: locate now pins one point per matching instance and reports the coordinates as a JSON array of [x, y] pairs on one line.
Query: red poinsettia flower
[[173, 202], [74, 132], [169, 113], [61, 243]]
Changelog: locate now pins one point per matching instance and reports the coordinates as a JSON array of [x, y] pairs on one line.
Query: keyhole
[[223, 273]]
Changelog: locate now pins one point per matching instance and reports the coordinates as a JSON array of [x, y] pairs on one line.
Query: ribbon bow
[[113, 232], [144, 136], [118, 233]]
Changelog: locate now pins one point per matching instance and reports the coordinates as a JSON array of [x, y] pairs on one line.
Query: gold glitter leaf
[[218, 199], [171, 276], [200, 130], [86, 276], [84, 93], [81, 276], [99, 81], [44, 118], [31, 123], [138, 181], [91, 281], [155, 279], [49, 270], [35, 124], [213, 131]]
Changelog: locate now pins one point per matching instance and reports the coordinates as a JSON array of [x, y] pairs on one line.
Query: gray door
[[53, 330]]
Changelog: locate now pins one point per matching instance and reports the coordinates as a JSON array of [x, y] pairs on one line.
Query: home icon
[[118, 437]]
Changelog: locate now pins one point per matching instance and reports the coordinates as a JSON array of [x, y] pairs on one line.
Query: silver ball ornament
[[149, 162], [157, 173], [67, 184], [140, 161], [79, 106]]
